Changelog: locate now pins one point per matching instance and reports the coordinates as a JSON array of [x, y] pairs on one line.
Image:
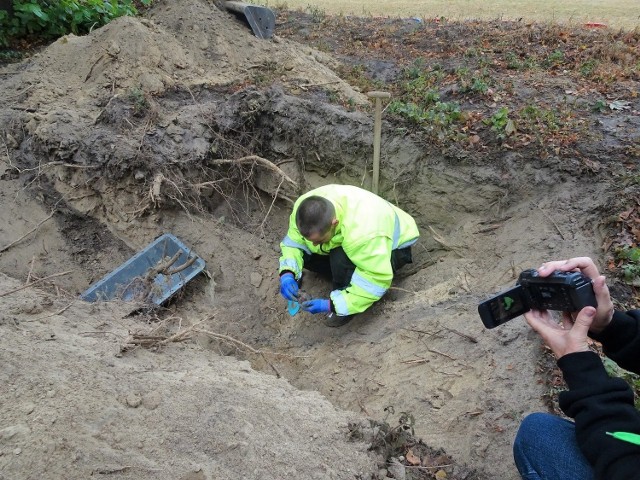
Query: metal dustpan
[[151, 276], [261, 19]]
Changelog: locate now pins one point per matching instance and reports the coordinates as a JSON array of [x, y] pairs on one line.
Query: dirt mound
[[74, 406]]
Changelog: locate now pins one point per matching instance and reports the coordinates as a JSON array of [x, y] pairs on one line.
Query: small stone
[[17, 451], [256, 279], [133, 400], [151, 400], [51, 393]]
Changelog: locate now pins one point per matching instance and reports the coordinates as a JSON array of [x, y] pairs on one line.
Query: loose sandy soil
[[123, 135]]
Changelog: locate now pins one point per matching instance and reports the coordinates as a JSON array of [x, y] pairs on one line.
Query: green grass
[[614, 13]]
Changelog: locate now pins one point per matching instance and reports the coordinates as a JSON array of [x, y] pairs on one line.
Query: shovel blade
[[261, 19]]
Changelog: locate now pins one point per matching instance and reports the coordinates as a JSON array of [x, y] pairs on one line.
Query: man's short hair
[[314, 215]]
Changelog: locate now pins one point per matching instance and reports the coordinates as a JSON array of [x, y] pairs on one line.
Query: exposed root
[[143, 287], [259, 160]]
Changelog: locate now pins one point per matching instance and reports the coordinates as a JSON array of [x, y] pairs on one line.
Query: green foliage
[[441, 114], [630, 258], [599, 106], [415, 69], [501, 123], [515, 63], [477, 82], [554, 59], [54, 18], [544, 118], [588, 67], [139, 101], [419, 102]]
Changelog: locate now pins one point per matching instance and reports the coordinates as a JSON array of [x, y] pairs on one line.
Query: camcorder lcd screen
[[503, 307]]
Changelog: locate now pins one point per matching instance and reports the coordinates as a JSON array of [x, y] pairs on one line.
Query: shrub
[[53, 18]]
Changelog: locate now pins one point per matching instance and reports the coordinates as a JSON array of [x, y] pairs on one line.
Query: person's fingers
[[584, 264], [601, 290], [580, 329], [604, 312], [547, 268]]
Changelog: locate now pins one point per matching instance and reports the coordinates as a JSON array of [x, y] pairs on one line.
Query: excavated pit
[[423, 348], [155, 126]]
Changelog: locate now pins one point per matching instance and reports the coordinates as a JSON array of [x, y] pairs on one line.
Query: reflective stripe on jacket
[[369, 229]]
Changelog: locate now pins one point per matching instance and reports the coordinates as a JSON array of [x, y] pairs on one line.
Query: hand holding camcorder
[[566, 291]]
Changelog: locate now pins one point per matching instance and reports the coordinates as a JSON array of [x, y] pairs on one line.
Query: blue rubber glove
[[318, 305], [289, 287]]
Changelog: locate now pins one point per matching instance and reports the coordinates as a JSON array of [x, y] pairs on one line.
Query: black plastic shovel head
[[261, 19]]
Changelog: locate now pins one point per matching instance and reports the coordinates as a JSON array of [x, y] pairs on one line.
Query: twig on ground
[[402, 290], [464, 335], [551, 220], [419, 467], [305, 85], [489, 229], [33, 261], [431, 334], [21, 93], [4, 294], [109, 471], [416, 361], [93, 66], [440, 353], [273, 367], [59, 312], [102, 333], [442, 242], [15, 242], [363, 408]]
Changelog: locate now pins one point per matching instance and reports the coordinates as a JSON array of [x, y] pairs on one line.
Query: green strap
[[626, 437]]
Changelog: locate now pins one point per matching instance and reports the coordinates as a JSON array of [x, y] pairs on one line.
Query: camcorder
[[566, 291]]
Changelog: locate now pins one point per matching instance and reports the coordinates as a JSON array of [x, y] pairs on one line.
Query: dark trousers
[[339, 268]]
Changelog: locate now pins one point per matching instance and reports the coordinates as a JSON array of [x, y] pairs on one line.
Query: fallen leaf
[[620, 105], [411, 458]]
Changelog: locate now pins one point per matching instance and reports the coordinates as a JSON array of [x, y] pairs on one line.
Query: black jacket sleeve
[[621, 340], [599, 403]]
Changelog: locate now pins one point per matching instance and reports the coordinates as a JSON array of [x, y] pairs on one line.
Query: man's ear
[[335, 222]]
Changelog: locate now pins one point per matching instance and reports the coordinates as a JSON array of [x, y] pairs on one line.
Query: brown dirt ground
[[122, 135]]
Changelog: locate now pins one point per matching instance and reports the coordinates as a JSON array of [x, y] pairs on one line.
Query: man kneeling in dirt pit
[[354, 237]]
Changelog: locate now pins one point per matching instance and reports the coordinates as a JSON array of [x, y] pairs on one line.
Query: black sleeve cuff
[[582, 368]]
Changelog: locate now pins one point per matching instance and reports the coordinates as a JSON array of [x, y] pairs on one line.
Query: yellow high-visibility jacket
[[369, 229]]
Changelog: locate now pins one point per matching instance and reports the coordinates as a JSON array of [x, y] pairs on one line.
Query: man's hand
[[318, 305], [289, 287], [568, 337], [604, 313]]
